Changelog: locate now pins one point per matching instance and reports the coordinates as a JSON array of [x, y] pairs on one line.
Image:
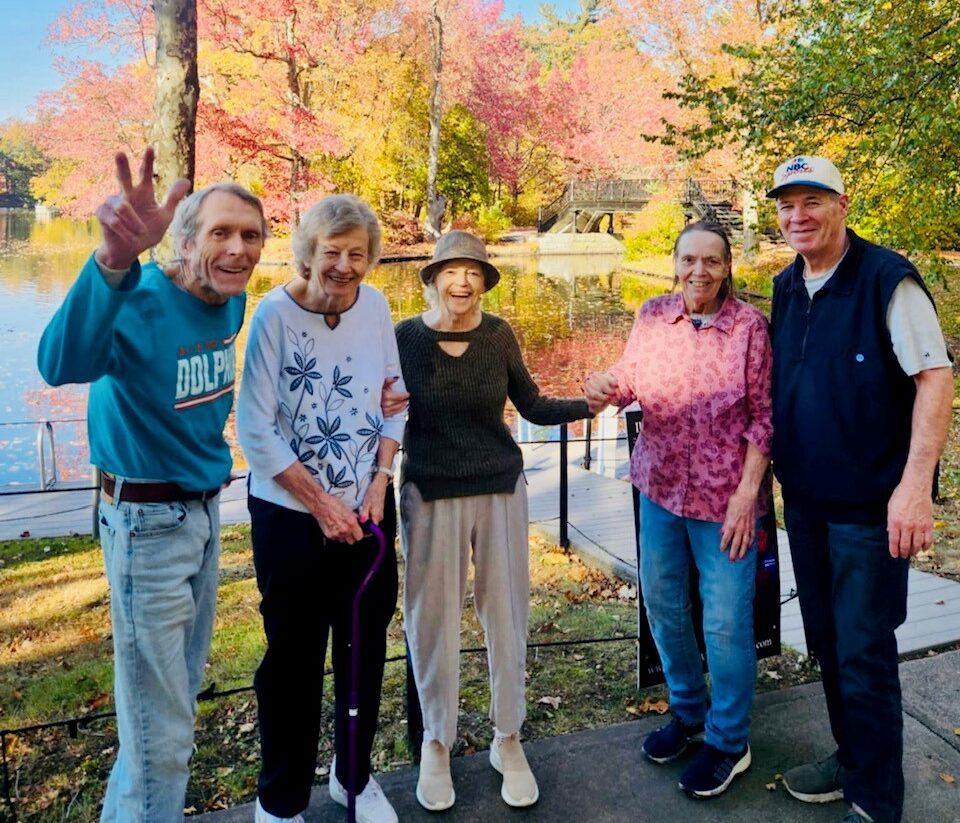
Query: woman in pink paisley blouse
[[699, 363]]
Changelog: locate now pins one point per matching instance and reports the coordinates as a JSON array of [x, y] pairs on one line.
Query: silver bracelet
[[385, 470]]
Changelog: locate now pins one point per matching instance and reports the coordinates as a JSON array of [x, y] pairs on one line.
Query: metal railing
[[48, 476]]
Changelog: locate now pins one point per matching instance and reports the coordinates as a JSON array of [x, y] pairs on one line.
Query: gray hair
[[186, 219], [336, 214]]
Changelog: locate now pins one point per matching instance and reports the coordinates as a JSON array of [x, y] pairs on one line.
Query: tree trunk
[[175, 97], [295, 99], [435, 112]]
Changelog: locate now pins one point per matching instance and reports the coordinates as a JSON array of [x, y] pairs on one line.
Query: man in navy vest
[[862, 394]]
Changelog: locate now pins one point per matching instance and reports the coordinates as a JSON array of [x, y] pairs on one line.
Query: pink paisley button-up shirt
[[704, 394]]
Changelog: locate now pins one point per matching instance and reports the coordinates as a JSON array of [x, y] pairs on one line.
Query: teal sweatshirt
[[161, 364]]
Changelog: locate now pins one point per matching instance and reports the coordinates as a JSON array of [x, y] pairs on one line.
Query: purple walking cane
[[354, 708]]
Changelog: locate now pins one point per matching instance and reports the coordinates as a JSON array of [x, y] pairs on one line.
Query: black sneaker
[[816, 782], [712, 771], [667, 743], [853, 816]]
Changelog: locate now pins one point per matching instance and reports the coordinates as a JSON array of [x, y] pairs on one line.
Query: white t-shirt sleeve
[[915, 330]]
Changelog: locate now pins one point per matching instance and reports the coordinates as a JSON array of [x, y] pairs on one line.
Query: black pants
[[307, 584], [853, 595]]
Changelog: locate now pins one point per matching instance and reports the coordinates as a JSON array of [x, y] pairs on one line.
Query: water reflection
[[571, 266], [571, 314]]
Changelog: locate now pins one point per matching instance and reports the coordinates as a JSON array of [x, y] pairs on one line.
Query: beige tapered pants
[[438, 539]]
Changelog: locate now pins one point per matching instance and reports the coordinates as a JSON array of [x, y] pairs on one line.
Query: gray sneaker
[[816, 782]]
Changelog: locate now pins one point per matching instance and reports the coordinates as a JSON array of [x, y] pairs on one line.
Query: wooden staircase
[[583, 203]]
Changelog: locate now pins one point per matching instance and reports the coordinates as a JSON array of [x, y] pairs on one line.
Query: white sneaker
[[434, 785], [261, 815], [372, 803], [519, 787]]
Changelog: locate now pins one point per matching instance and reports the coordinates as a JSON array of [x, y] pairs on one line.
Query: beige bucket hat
[[460, 245]]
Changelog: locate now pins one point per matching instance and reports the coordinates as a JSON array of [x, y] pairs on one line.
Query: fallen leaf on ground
[[649, 707], [771, 787], [550, 701], [940, 603], [946, 777], [100, 700], [555, 559]]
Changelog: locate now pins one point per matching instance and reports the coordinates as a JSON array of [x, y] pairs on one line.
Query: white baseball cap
[[806, 170]]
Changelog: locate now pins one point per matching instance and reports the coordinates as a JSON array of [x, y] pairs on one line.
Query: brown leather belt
[[151, 492]]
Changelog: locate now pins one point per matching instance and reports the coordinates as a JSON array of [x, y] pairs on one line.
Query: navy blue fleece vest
[[841, 403]]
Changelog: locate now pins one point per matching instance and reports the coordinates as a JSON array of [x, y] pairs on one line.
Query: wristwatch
[[385, 470]]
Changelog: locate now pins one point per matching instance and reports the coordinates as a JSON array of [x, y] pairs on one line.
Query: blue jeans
[[853, 595], [668, 545], [161, 562]]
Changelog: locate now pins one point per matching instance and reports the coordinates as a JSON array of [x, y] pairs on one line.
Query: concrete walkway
[[599, 776]]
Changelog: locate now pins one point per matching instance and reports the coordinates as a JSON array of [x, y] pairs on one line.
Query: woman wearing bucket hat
[[321, 453], [462, 491]]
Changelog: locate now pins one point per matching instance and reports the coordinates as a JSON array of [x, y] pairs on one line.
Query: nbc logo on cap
[[806, 170]]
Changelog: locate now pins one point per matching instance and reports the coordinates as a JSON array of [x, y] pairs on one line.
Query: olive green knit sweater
[[456, 442]]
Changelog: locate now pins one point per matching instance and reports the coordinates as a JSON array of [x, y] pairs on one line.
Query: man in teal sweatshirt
[[158, 348]]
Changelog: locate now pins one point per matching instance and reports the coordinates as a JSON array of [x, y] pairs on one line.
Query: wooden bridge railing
[[633, 194]]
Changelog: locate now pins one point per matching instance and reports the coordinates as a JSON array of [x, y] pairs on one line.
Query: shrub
[[657, 228], [400, 229], [492, 222], [465, 222]]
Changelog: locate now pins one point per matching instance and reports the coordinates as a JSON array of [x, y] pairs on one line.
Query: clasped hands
[[600, 390]]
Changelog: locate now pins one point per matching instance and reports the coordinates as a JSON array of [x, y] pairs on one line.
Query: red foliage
[[401, 229]]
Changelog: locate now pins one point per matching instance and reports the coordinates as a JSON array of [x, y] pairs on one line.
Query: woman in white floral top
[[321, 453]]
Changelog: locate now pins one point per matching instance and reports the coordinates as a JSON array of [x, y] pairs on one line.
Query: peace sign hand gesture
[[133, 221]]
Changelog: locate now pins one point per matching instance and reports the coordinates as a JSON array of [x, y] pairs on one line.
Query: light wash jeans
[[668, 545], [161, 561]]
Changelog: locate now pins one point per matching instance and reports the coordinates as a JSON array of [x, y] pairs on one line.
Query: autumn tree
[[869, 83], [508, 96], [80, 174], [20, 160], [281, 70]]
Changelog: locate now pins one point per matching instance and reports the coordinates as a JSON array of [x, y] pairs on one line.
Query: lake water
[[571, 313]]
